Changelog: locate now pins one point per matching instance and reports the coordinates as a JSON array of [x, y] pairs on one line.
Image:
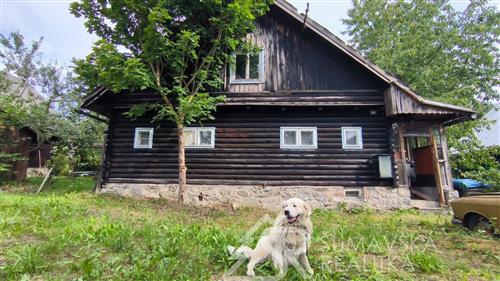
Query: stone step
[[425, 204]]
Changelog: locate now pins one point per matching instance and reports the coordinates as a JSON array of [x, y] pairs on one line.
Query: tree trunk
[[182, 163]]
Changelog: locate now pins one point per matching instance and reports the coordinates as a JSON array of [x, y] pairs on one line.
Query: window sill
[[236, 82]]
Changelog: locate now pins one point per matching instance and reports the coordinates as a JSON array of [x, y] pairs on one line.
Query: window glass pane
[[205, 137], [241, 66], [306, 138], [351, 137], [143, 141], [254, 66], [144, 137], [290, 138], [189, 138]]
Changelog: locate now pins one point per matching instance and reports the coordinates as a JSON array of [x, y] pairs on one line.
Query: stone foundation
[[269, 197]]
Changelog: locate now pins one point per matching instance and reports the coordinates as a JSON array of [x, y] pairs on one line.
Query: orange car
[[480, 211]]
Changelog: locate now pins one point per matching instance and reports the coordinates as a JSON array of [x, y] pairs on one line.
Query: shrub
[[61, 161], [479, 163]]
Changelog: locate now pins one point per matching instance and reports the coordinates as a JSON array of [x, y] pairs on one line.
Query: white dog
[[287, 241]]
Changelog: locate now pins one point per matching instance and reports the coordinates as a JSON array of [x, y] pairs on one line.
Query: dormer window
[[248, 68]]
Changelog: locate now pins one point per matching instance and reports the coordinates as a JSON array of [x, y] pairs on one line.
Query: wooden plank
[[444, 145], [47, 176], [437, 171]]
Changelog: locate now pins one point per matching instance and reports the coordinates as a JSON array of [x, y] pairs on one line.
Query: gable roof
[[396, 86], [354, 54]]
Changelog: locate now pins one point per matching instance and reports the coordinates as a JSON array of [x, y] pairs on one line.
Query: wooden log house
[[307, 117]]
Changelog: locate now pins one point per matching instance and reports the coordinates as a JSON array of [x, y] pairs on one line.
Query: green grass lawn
[[69, 233]]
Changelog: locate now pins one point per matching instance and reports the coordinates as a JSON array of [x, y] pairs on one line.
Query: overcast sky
[[65, 36]]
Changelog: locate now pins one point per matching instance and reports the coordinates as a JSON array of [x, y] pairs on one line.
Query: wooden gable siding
[[247, 149], [298, 59]]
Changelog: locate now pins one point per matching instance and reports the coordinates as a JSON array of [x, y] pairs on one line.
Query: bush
[[61, 161], [479, 163]]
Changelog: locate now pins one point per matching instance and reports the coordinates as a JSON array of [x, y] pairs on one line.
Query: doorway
[[425, 162]]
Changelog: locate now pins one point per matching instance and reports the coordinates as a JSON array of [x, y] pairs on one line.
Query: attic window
[[248, 68]]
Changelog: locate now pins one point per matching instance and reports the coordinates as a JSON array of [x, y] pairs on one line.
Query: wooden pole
[[44, 180], [435, 164]]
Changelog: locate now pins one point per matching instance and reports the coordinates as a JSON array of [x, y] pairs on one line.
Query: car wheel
[[478, 222]]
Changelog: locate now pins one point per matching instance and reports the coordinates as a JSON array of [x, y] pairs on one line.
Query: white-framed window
[[298, 137], [199, 137], [143, 138], [352, 138], [247, 68]]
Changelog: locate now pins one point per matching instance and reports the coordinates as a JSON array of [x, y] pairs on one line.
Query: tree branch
[[204, 62]]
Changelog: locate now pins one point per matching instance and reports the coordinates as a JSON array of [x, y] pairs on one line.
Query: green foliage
[[444, 54], [176, 48], [61, 161], [51, 113], [12, 115], [479, 163]]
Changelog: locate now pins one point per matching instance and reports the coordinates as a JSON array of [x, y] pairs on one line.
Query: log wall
[[247, 149]]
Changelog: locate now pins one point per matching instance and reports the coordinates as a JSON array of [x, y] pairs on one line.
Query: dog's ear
[[308, 209]]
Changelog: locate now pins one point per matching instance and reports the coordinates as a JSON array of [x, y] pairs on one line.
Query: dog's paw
[[230, 249], [310, 271], [251, 273]]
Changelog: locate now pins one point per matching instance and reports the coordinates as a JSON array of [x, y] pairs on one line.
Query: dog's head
[[294, 209]]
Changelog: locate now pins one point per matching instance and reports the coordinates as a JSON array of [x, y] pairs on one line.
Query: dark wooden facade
[[247, 149], [32, 155], [297, 59], [310, 79]]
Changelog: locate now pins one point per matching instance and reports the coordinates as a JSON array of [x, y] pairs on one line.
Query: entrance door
[[426, 162]]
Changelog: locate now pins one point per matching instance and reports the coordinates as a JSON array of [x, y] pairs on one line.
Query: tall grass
[[68, 233]]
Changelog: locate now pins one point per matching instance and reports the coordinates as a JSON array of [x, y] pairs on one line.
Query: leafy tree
[[21, 59], [479, 163], [442, 53], [177, 48], [51, 114], [11, 116]]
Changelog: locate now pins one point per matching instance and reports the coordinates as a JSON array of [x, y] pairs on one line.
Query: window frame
[[298, 138], [137, 143], [359, 131], [197, 131], [232, 70]]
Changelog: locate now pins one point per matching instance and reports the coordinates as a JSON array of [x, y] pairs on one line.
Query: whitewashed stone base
[[37, 172], [269, 197]]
